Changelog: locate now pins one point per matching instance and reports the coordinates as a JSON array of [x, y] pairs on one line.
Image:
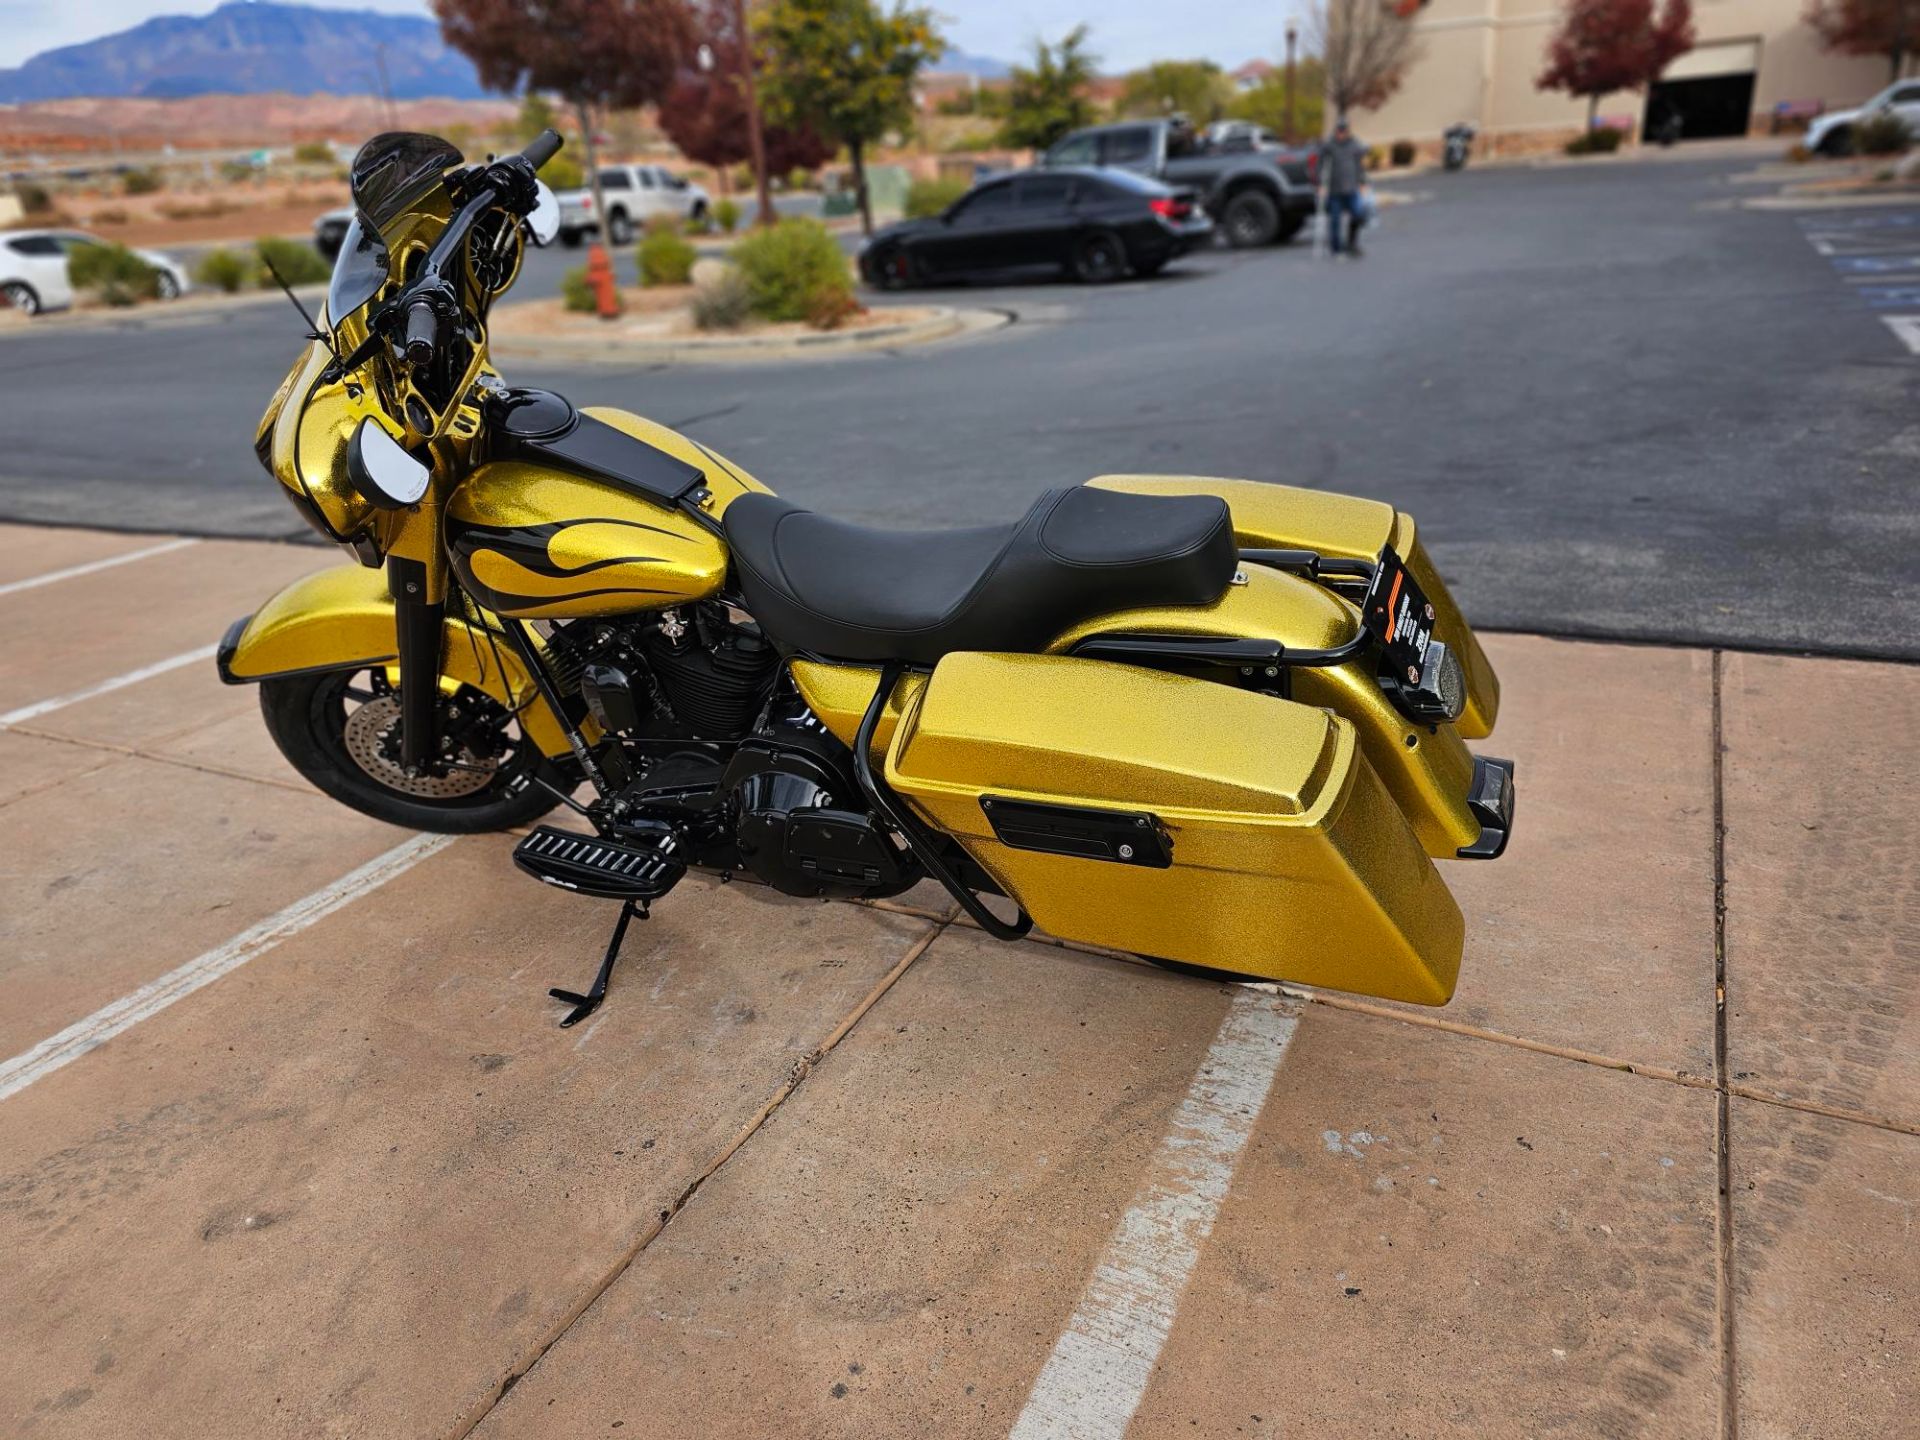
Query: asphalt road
[[1618, 404]]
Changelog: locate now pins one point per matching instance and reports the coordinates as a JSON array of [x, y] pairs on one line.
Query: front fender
[[343, 618]]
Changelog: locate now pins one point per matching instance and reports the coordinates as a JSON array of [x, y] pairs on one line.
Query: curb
[[1906, 195], [944, 323], [158, 312]]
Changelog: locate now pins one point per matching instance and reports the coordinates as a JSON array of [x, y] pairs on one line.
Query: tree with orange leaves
[[1608, 45]]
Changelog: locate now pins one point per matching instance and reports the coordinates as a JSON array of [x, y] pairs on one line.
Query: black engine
[[709, 737]]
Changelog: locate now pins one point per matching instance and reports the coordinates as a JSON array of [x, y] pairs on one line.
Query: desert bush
[[926, 198], [113, 215], [113, 274], [828, 307], [1402, 153], [790, 268], [1601, 140], [563, 172], [742, 177], [1376, 158], [142, 182], [211, 209], [235, 171], [665, 257], [313, 152], [1882, 134], [799, 178], [1799, 154], [726, 213], [226, 270], [297, 262], [34, 199], [722, 303], [575, 293]]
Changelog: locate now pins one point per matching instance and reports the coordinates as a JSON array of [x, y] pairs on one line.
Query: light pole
[[1293, 35]]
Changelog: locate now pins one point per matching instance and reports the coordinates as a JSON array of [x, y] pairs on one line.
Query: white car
[[635, 194], [1832, 133], [33, 268]]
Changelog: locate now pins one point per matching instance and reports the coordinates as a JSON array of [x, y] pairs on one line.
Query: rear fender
[[1285, 517], [1427, 769], [343, 619]]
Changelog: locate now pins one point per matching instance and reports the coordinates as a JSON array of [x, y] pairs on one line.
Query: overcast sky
[[1126, 33]]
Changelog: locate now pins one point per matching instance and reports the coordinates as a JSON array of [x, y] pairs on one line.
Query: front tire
[[1837, 143], [22, 297], [1099, 258], [619, 228], [1249, 219], [893, 269], [167, 287], [336, 729]]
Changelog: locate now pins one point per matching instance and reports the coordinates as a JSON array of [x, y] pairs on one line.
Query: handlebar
[[421, 337], [542, 148]]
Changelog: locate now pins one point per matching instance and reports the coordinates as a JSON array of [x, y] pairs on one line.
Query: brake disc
[[369, 734]]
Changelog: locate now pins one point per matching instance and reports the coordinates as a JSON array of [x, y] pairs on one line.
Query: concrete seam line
[[135, 752], [797, 1074], [93, 1031], [105, 687], [1100, 1367], [74, 572]]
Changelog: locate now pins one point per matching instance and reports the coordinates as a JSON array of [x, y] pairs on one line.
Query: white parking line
[[1098, 1371], [105, 687], [73, 572], [150, 999], [1907, 328]]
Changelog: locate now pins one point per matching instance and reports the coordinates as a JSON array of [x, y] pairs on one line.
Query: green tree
[[1048, 100], [1194, 88], [845, 69], [536, 116], [1266, 103]]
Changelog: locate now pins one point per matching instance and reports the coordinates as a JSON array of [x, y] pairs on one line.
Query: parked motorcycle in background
[[1458, 145]]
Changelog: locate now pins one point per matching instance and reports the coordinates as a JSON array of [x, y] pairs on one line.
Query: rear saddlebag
[[1182, 819]]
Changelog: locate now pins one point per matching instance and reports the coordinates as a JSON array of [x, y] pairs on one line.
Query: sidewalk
[[309, 1156]]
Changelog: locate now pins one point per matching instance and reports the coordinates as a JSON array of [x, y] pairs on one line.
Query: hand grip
[[542, 148], [422, 335]]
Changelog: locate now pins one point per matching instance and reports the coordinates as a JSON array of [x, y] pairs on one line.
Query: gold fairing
[[343, 618], [529, 541], [1285, 517], [1427, 770], [1289, 858]]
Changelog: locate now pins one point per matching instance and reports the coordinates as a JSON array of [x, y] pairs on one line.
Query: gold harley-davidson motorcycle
[[1216, 723]]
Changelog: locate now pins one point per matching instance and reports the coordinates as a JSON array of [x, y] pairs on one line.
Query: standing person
[[1343, 171]]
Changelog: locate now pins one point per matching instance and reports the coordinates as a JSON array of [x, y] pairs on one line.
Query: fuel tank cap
[[531, 414]]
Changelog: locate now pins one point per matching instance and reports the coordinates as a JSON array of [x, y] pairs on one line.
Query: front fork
[[417, 580]]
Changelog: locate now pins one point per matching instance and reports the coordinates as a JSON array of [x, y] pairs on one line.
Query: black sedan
[[1095, 225]]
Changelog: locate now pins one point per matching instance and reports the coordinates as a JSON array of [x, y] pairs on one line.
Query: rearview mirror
[[382, 471], [544, 222]]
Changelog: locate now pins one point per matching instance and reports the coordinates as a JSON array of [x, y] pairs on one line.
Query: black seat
[[852, 593]]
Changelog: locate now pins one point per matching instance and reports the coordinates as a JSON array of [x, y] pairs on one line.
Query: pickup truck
[[635, 194], [1255, 194]]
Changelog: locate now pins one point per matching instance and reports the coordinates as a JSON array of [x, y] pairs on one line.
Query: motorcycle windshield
[[358, 272]]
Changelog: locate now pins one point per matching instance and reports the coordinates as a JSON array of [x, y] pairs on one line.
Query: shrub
[[665, 257], [1799, 154], [722, 304], [34, 199], [313, 152], [1601, 140], [927, 198], [226, 270], [113, 273], [142, 182], [297, 262], [1882, 134], [799, 178], [789, 267], [575, 293], [234, 171], [206, 210], [1376, 158], [829, 307], [726, 213], [1402, 153], [563, 172], [110, 216], [742, 177]]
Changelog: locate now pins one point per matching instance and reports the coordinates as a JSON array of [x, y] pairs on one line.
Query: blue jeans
[[1349, 205]]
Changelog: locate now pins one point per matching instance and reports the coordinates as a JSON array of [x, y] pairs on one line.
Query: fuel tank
[[534, 541]]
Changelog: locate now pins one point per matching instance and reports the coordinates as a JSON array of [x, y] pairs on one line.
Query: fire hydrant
[[606, 290]]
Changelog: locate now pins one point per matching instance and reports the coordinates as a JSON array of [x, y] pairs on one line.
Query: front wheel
[[341, 730], [893, 269], [166, 287], [21, 297], [1837, 143]]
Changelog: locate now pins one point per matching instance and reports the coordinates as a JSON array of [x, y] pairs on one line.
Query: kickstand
[[585, 1005]]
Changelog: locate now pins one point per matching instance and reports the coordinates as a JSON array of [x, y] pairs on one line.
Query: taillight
[[1170, 207]]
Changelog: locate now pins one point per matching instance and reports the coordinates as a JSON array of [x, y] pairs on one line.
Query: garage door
[[1723, 57]]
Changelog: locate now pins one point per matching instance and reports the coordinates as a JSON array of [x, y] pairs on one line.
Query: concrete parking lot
[[290, 1144]]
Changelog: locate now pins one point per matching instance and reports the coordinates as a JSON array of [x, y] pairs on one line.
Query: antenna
[[314, 332]]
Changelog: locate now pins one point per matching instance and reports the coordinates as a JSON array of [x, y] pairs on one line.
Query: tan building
[[1478, 60]]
